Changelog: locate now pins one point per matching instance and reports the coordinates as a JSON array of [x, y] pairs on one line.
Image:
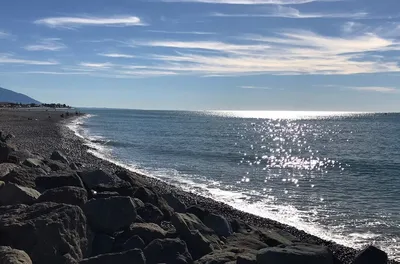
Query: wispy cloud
[[182, 32], [290, 12], [116, 55], [378, 89], [105, 65], [9, 59], [73, 22], [49, 44], [4, 34], [252, 2], [54, 72], [255, 87]]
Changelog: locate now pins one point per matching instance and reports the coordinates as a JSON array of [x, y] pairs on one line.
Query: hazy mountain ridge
[[8, 96]]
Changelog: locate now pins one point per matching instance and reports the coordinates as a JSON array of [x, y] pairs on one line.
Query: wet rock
[[11, 194], [9, 255], [128, 257], [371, 255], [150, 213], [297, 253], [45, 231], [175, 203], [6, 168], [168, 251], [101, 181], [133, 242], [146, 231], [102, 244], [67, 194], [59, 179], [57, 155], [110, 215], [219, 224], [5, 151], [33, 163]]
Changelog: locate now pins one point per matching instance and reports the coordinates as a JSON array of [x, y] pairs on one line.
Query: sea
[[335, 175]]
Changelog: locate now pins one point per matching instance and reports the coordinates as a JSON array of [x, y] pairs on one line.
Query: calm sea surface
[[335, 175]]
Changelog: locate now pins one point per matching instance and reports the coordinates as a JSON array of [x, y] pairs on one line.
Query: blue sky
[[204, 54]]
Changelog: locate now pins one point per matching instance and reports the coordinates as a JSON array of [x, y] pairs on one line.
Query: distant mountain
[[8, 96]]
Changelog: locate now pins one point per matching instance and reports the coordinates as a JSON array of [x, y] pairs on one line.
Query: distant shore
[[41, 132]]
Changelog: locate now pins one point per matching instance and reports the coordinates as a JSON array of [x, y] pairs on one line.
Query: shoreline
[[54, 134]]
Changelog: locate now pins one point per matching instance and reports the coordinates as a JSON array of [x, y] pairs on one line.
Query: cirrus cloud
[[73, 22]]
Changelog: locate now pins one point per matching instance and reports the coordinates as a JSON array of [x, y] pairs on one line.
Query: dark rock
[[246, 259], [102, 244], [133, 256], [45, 231], [4, 138], [110, 215], [5, 151], [134, 179], [175, 203], [59, 179], [67, 194], [101, 181], [197, 211], [274, 237], [24, 176], [6, 168], [167, 251], [105, 195], [219, 224], [221, 257], [56, 165], [148, 196], [138, 203], [133, 242], [57, 155], [184, 223], [19, 156], [146, 231], [11, 194], [73, 166], [296, 253], [9, 255], [371, 255], [249, 242], [150, 213], [33, 163], [198, 244]]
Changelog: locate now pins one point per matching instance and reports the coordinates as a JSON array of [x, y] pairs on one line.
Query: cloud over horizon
[[71, 22]]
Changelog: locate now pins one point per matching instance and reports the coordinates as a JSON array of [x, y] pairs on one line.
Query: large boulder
[[134, 179], [24, 176], [5, 151], [18, 156], [175, 203], [297, 253], [11, 194], [67, 194], [47, 232], [371, 255], [101, 181], [58, 179], [33, 163], [168, 251], [146, 231], [150, 213], [9, 255], [148, 196], [56, 165], [6, 168], [102, 244], [133, 256], [219, 224], [275, 237], [57, 155], [112, 214], [133, 242]]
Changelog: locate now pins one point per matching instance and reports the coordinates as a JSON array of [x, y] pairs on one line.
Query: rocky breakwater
[[54, 211]]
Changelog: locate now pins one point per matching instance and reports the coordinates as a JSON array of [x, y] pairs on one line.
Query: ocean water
[[334, 175]]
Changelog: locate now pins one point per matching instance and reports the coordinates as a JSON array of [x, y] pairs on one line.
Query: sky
[[328, 55]]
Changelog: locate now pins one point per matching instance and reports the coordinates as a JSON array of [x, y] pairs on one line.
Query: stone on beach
[[9, 255], [24, 176], [219, 224], [168, 251], [33, 163], [100, 180], [175, 203], [67, 194], [371, 255], [5, 151], [58, 179], [45, 231], [146, 231], [6, 168], [133, 242], [11, 194], [102, 244], [57, 155], [112, 214], [150, 213], [297, 253], [133, 256]]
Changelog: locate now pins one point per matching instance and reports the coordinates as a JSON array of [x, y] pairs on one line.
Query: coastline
[[43, 135]]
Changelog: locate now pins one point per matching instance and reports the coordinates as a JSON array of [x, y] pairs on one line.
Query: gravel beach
[[41, 132]]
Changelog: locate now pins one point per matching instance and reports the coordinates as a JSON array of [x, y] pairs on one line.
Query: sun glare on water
[[283, 114]]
